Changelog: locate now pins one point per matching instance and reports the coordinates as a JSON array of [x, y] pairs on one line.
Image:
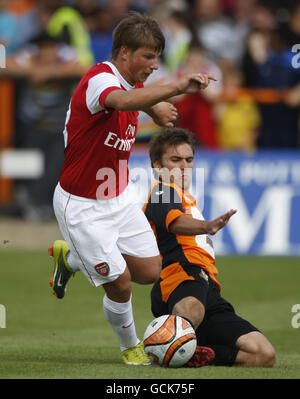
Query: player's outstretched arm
[[146, 97], [187, 225]]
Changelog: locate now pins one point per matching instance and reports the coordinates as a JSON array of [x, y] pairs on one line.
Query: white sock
[[120, 317], [72, 262]]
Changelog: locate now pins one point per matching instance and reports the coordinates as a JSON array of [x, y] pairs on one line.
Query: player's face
[[139, 64], [177, 164]]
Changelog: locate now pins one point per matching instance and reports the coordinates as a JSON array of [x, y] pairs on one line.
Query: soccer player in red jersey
[[188, 284], [107, 235]]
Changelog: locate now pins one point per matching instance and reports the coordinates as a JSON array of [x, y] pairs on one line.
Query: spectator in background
[[87, 9], [117, 9], [263, 17], [178, 33], [291, 29], [65, 23], [101, 17], [161, 8], [196, 111], [101, 28], [241, 15], [217, 32], [267, 64], [292, 37], [46, 70], [25, 13], [238, 118], [9, 29]]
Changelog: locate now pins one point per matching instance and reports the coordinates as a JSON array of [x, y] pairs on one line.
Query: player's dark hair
[[135, 31], [171, 136]]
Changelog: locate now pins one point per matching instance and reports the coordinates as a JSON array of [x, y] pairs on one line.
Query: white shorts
[[98, 232]]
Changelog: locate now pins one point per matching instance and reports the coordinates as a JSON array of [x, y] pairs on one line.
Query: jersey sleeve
[[164, 206], [99, 86]]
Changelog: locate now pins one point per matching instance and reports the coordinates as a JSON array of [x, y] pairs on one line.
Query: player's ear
[[124, 52], [156, 165]]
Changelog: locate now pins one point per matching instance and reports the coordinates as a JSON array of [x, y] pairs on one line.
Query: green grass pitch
[[47, 338]]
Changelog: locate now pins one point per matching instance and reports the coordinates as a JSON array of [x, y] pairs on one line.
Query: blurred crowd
[[250, 46]]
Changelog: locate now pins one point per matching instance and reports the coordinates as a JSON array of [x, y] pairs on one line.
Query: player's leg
[[62, 270], [118, 311], [117, 308], [190, 308], [188, 296], [193, 310], [183, 304], [255, 350], [174, 294], [113, 274], [138, 245], [66, 260], [143, 270], [139, 249], [91, 231], [236, 341], [186, 299]]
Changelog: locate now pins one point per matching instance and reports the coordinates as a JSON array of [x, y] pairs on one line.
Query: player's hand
[[165, 114], [217, 224], [193, 83]]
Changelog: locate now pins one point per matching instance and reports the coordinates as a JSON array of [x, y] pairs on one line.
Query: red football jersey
[[98, 140]]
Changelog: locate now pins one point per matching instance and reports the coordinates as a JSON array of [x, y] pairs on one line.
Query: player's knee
[[120, 289], [267, 356], [190, 308], [151, 274], [150, 278], [144, 270], [265, 353], [155, 272], [260, 352]]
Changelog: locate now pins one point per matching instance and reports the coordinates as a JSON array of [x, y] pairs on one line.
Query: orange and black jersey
[[166, 202]]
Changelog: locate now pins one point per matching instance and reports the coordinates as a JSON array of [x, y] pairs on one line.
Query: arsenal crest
[[102, 269]]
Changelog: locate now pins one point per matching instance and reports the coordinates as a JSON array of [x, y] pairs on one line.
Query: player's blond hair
[[135, 31]]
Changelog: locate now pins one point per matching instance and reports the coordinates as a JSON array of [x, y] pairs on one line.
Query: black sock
[[225, 355]]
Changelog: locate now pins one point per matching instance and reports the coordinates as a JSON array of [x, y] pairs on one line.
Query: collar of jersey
[[182, 193], [123, 82]]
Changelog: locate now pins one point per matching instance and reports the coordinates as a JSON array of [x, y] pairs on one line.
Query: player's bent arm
[[141, 98]]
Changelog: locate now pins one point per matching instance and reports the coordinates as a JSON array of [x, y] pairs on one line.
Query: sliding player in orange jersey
[[188, 286]]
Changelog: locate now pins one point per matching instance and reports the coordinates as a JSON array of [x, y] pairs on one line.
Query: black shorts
[[221, 325]]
